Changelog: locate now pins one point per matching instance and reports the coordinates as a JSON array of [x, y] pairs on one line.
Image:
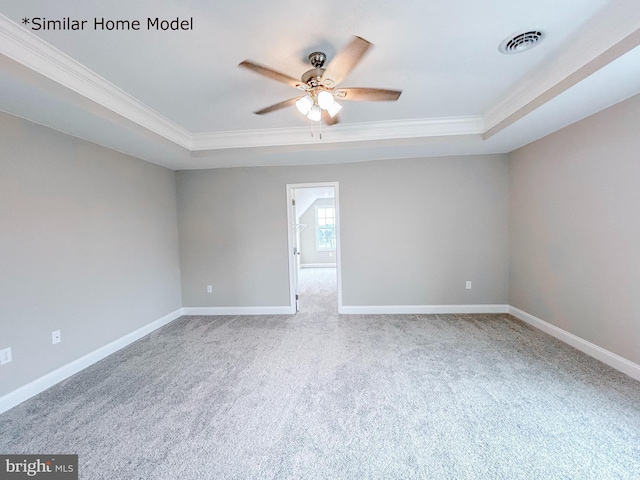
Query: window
[[325, 228]]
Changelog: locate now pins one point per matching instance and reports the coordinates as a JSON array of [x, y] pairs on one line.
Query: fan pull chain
[[319, 128]]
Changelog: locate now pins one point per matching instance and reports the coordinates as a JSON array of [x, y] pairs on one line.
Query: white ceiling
[[178, 99], [306, 196]]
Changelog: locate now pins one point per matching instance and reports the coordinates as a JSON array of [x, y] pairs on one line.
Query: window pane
[[325, 227], [326, 237]]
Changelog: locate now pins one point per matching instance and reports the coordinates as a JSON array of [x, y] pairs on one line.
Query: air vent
[[520, 42]]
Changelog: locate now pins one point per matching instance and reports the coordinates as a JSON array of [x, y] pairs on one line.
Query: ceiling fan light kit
[[315, 114], [304, 104], [325, 100], [313, 104], [319, 84], [333, 109]]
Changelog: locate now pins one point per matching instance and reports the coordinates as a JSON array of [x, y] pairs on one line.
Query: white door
[[294, 237], [296, 249]]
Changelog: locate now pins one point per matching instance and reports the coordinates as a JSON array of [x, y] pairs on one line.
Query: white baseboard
[[285, 310], [599, 353], [318, 265], [21, 394], [421, 309], [27, 391]]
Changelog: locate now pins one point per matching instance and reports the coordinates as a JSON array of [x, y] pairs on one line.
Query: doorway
[[313, 219]]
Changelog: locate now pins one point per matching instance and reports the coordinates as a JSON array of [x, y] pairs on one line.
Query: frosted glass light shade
[[314, 114], [334, 109], [304, 104], [325, 100]]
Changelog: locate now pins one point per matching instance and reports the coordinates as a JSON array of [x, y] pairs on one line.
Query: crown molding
[[28, 49], [399, 129], [610, 34], [31, 51]]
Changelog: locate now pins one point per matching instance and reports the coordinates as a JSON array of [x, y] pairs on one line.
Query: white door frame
[[290, 240]]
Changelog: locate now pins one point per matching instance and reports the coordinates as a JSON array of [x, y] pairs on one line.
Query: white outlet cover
[[55, 337], [468, 284], [5, 356]]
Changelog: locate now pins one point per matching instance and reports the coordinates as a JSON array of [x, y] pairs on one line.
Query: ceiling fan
[[320, 85]]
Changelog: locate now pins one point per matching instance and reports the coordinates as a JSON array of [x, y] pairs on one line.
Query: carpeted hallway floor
[[320, 395]]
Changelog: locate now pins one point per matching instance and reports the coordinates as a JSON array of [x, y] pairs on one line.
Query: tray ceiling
[[178, 99]]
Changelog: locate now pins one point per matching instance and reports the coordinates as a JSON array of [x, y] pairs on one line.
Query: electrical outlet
[[209, 288], [5, 356], [55, 337], [468, 284]]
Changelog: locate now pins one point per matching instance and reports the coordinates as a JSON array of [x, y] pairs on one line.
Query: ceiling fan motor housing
[[312, 77]]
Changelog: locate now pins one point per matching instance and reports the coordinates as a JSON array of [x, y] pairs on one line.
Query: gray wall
[[308, 252], [444, 222], [575, 229], [88, 245]]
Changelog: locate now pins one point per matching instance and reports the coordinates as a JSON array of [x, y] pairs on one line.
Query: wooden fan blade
[[278, 106], [272, 74], [345, 61], [326, 118], [367, 94]]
